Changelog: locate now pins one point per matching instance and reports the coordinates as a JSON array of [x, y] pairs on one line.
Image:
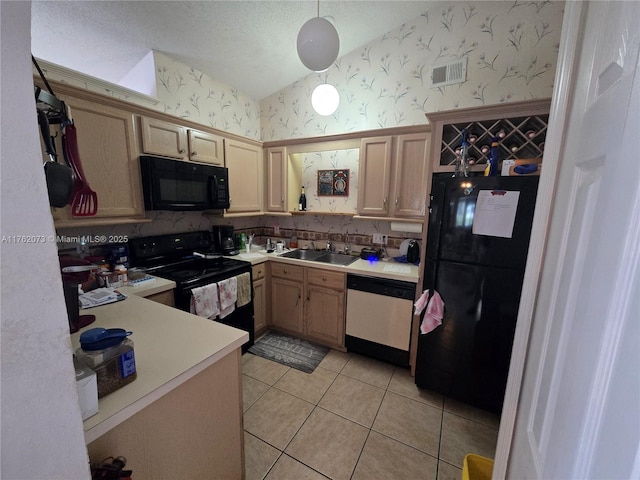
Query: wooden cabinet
[[287, 297], [205, 147], [393, 175], [375, 176], [324, 307], [109, 155], [244, 161], [521, 127], [176, 141], [276, 180], [165, 298], [309, 302], [259, 298], [163, 138]]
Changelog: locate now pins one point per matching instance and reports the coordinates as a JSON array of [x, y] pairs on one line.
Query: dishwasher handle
[[382, 286]]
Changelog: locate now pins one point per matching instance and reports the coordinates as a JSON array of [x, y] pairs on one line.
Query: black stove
[[189, 260]]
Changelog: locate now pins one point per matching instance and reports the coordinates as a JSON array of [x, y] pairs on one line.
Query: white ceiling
[[249, 45]]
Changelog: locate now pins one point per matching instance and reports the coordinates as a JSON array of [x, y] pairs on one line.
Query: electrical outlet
[[378, 238]]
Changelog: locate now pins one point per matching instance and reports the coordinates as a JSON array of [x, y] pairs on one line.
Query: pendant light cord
[[318, 8]]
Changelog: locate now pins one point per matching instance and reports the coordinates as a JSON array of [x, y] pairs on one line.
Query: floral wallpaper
[[330, 160], [188, 93], [511, 49]]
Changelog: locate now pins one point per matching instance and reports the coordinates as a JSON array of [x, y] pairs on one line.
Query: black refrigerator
[[477, 243]]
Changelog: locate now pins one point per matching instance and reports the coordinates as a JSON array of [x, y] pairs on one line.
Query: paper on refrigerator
[[495, 213]]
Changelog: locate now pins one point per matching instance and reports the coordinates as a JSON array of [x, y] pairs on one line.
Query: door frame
[[560, 107]]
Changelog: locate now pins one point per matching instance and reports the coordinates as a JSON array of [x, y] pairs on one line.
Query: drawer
[[258, 271], [325, 278], [290, 272]]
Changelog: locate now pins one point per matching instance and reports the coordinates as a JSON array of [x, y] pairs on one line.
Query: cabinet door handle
[[384, 203], [308, 296], [282, 201], [298, 299], [324, 279], [194, 153], [181, 150], [396, 201]]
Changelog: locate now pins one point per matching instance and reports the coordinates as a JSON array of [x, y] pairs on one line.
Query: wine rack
[[520, 126]]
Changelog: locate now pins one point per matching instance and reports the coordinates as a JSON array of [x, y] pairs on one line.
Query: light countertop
[[170, 346], [386, 268], [146, 289]]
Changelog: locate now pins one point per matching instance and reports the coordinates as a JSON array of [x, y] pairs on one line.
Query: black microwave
[[181, 185]]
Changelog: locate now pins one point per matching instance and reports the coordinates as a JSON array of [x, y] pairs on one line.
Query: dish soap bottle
[[302, 202]]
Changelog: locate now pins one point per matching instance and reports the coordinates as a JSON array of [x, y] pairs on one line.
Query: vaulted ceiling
[[250, 45]]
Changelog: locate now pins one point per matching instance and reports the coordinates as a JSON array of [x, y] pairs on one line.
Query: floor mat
[[290, 351]]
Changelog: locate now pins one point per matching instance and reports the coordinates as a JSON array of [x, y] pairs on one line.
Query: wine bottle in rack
[[302, 202]]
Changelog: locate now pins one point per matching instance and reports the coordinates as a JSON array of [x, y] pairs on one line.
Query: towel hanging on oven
[[228, 293], [204, 301]]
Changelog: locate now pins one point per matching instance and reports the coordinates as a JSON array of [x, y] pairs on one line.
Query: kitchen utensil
[[85, 200], [413, 252], [59, 177]]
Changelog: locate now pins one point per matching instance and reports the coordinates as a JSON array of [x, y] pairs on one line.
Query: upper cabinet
[[276, 180], [175, 141], [205, 147], [244, 161], [108, 152], [393, 176], [163, 138], [411, 172], [375, 176], [521, 128]]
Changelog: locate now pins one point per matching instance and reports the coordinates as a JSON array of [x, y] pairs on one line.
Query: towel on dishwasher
[[228, 293], [244, 289], [434, 313], [204, 301]]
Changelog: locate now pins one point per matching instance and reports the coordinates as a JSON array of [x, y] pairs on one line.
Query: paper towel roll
[[406, 227]]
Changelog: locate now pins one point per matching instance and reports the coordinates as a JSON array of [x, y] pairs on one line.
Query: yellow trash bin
[[476, 467]]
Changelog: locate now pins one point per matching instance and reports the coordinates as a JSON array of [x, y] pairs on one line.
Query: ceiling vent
[[455, 72]]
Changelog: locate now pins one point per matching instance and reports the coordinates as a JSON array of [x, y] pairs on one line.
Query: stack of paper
[[100, 296]]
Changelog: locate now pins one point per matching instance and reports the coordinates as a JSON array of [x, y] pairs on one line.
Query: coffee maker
[[223, 240]]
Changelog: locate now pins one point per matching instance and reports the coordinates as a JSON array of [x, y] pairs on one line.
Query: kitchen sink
[[322, 256], [303, 254]]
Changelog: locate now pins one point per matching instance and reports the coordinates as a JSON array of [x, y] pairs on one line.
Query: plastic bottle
[[302, 202], [122, 274], [243, 240]]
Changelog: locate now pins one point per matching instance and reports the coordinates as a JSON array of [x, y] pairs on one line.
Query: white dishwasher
[[379, 316]]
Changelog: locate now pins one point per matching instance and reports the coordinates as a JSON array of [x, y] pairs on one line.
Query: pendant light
[[318, 43], [325, 99]]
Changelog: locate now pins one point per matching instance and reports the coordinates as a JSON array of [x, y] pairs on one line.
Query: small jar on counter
[[110, 354]]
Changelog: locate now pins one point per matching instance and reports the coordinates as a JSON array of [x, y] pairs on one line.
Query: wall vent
[[455, 72]]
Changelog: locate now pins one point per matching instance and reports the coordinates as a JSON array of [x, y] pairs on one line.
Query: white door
[[579, 409]]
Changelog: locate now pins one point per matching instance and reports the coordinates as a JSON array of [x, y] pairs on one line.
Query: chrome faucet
[[329, 246], [313, 245]]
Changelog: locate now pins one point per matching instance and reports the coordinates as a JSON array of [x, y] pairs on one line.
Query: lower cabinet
[[287, 297], [308, 302], [166, 298], [259, 299]]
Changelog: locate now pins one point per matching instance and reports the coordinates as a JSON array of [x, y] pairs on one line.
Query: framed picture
[[333, 182]]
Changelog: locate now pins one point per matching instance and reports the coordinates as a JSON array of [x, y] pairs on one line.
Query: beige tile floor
[[354, 418]]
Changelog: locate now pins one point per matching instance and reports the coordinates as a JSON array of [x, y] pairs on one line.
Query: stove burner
[[185, 274]]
